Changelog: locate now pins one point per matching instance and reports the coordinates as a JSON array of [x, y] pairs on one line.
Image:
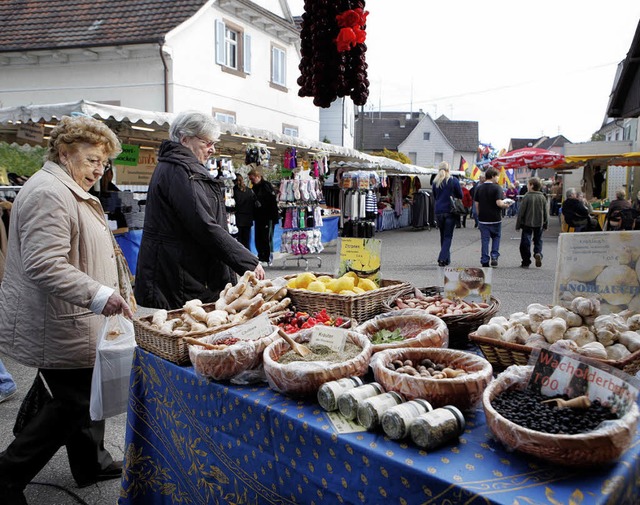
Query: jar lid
[[427, 406], [456, 412]]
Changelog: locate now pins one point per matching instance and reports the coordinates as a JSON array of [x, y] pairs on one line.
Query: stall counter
[[193, 441]]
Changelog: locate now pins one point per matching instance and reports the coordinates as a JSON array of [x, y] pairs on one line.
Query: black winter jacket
[[245, 206], [268, 209], [186, 250]]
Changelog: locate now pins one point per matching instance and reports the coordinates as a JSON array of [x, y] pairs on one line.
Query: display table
[[192, 441], [389, 221]]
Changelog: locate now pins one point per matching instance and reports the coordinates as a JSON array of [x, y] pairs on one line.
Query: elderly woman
[[186, 250], [60, 279], [614, 219], [445, 187]]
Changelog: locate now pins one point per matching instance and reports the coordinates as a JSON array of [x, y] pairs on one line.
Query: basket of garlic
[[162, 332], [613, 339]]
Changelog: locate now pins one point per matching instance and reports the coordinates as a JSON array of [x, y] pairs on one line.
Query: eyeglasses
[[95, 162], [208, 143]]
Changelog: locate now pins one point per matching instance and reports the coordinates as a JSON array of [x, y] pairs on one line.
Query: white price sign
[[332, 337], [253, 329]]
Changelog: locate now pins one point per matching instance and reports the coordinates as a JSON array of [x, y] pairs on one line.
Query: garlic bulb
[[563, 346], [611, 322], [585, 306], [490, 331], [501, 320], [616, 352], [537, 314], [520, 318], [593, 350], [535, 340], [571, 318], [633, 322], [516, 334], [580, 335], [630, 339], [553, 329]]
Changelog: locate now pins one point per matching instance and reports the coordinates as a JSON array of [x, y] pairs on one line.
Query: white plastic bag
[[114, 355]]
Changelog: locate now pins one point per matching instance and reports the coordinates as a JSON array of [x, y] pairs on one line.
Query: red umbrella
[[531, 157]]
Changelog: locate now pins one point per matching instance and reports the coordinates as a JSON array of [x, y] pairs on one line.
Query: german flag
[[463, 165]]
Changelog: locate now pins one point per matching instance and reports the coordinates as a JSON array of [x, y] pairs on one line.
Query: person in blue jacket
[[444, 187]]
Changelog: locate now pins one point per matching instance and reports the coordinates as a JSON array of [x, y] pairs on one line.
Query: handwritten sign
[[362, 256], [33, 132], [332, 337], [253, 329], [128, 156]]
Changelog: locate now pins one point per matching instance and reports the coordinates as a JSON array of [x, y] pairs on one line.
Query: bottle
[[330, 391], [348, 402], [435, 428], [396, 421], [372, 409]]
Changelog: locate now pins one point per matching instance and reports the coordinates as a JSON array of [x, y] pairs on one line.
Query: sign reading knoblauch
[[134, 166], [600, 265], [362, 256]]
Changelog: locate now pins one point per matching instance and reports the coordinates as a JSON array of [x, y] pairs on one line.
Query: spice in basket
[[371, 410], [434, 429], [396, 421], [529, 409], [349, 402], [330, 391], [385, 336], [322, 353], [292, 322]]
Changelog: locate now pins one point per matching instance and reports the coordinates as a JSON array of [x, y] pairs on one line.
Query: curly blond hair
[[72, 130]]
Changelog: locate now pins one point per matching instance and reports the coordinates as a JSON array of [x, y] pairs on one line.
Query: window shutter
[[220, 42], [246, 57]]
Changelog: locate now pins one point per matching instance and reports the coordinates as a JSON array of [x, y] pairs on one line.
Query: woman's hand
[[117, 305], [259, 271]]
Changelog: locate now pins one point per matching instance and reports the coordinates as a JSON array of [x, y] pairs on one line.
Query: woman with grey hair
[[186, 250]]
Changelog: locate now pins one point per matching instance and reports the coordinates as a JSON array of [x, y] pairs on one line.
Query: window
[[225, 116], [233, 48], [426, 135], [290, 130], [438, 157], [278, 66], [386, 135], [413, 156]]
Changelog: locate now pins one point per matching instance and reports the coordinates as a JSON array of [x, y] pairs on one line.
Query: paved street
[[407, 255]]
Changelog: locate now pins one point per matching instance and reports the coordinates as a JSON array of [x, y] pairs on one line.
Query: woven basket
[[360, 307], [586, 449], [168, 345], [504, 354], [459, 325], [463, 392]]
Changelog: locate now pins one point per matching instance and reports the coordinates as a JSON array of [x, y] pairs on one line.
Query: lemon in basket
[[317, 286], [367, 285], [304, 279]]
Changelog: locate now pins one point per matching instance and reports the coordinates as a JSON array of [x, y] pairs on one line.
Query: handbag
[[36, 398], [457, 207], [112, 369]]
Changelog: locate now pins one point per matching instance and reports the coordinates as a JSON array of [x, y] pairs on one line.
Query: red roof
[[45, 24]]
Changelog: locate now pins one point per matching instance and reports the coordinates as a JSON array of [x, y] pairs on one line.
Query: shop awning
[[625, 159]]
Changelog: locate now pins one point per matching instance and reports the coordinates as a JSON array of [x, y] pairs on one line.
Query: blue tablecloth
[[192, 441]]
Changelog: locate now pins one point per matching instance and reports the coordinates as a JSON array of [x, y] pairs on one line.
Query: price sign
[[332, 337], [253, 329]]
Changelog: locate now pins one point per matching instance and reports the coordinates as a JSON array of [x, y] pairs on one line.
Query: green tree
[[22, 160], [393, 155]]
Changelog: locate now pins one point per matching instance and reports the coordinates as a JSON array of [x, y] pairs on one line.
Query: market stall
[[206, 442]]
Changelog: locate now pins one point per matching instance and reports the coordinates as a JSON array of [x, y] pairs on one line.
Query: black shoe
[[494, 262], [524, 265], [113, 471], [12, 496], [538, 258], [442, 263], [485, 265]]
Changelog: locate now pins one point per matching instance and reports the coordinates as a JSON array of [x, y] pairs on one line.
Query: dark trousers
[[244, 236], [64, 420], [525, 243], [264, 239], [446, 224]]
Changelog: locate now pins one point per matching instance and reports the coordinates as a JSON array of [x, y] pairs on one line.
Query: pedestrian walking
[[445, 187], [472, 191], [532, 219], [489, 202], [245, 208], [266, 215], [467, 201]]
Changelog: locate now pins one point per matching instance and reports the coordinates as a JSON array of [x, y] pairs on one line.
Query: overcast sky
[[521, 69]]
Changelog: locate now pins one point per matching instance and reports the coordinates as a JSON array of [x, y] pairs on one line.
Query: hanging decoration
[[333, 51]]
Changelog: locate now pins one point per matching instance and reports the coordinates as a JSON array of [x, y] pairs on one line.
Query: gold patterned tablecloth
[[192, 441]]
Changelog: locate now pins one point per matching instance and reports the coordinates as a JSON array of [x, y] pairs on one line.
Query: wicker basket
[[586, 449], [459, 325], [360, 307], [463, 392], [504, 354], [304, 378], [418, 329]]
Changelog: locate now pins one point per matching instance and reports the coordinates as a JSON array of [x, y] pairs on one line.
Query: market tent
[[28, 124]]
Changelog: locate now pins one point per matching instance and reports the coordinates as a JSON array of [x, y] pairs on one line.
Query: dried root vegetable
[[437, 304]]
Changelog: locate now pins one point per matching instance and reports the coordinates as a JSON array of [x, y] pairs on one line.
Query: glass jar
[[371, 410], [348, 402], [396, 421], [330, 391], [436, 428]]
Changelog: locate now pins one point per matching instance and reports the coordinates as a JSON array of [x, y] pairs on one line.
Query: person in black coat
[[576, 213], [266, 215], [245, 207], [186, 250]]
